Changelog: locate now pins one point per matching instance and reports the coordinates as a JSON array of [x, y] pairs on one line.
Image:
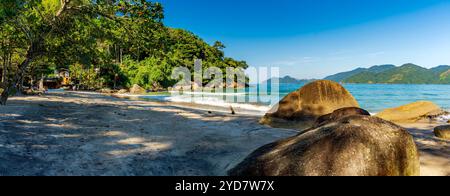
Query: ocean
[[372, 97]]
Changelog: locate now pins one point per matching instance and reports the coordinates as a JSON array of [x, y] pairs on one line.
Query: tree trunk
[[41, 83], [13, 84], [4, 96], [4, 70]]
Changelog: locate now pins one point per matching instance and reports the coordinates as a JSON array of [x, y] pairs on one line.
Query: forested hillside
[[389, 74]]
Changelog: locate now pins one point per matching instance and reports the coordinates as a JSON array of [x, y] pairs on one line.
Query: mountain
[[289, 80], [340, 77], [440, 68], [405, 74]]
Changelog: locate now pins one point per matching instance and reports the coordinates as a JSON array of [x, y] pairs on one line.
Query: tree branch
[[64, 4]]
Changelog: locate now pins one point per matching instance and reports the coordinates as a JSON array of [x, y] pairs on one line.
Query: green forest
[[104, 43], [405, 74], [390, 74]]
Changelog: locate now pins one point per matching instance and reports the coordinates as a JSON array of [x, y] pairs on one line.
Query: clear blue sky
[[315, 38]]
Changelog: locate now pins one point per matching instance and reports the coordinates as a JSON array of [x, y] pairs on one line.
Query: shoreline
[[240, 108], [88, 133], [253, 109]]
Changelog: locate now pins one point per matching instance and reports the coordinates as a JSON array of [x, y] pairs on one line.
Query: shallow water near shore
[[372, 97]]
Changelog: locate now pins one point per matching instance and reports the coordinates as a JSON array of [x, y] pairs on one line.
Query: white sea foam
[[444, 118], [211, 93], [215, 101]]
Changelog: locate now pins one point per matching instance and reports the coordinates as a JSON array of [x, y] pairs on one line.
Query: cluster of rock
[[138, 90], [337, 138], [195, 86]]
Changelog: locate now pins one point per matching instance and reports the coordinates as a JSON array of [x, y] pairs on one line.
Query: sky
[[316, 38]]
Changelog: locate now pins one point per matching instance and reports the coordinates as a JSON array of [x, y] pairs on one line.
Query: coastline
[[222, 107], [87, 133], [216, 105]]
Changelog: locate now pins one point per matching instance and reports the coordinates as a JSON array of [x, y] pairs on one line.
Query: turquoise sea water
[[372, 97], [376, 97]]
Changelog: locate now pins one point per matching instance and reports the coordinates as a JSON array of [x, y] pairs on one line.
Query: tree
[[106, 43], [48, 27]]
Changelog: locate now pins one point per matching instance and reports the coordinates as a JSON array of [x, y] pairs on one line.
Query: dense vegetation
[[405, 74], [104, 43], [340, 77]]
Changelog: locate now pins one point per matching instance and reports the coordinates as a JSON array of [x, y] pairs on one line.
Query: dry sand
[[79, 133], [91, 134], [434, 152]]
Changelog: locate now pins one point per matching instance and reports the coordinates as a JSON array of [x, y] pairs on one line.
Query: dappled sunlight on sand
[[73, 133], [90, 134], [144, 147], [27, 122], [67, 136], [114, 134], [10, 115]]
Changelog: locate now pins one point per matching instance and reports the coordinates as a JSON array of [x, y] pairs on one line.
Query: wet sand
[[80, 133]]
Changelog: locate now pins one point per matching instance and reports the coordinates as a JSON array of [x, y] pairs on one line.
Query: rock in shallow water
[[351, 146], [301, 108], [442, 132], [413, 112]]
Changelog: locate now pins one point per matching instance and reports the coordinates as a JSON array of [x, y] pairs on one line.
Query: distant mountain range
[[384, 74], [340, 77], [290, 80], [390, 74]]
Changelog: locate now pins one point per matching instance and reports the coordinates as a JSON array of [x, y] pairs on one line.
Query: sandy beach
[[83, 133]]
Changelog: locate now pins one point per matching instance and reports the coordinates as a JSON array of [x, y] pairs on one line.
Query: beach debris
[[301, 108], [414, 112], [232, 110], [442, 132], [354, 145]]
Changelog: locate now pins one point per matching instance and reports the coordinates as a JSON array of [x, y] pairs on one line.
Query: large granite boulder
[[350, 146], [338, 114], [413, 112], [137, 90], [442, 132], [301, 108]]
